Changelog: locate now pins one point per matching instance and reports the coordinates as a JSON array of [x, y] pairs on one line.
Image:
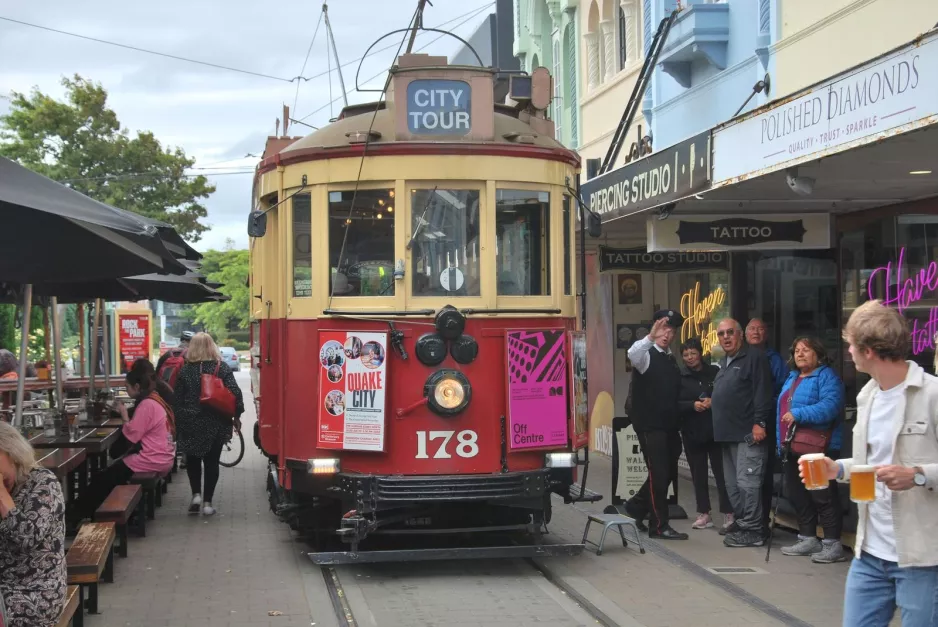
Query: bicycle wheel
[[233, 450]]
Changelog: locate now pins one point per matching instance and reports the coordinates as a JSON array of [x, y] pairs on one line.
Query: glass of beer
[[814, 471], [862, 484]]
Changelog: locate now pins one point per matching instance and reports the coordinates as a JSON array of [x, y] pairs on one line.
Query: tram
[[415, 356]]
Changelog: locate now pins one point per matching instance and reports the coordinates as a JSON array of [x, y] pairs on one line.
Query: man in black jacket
[[742, 408], [656, 420]]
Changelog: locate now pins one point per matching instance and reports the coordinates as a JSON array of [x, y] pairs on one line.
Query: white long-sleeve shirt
[[638, 353]]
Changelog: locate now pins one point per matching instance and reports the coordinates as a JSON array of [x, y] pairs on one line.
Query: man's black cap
[[674, 318]]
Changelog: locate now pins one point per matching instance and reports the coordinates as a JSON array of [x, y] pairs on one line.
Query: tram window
[[361, 243], [567, 252], [522, 243], [445, 233], [302, 247]]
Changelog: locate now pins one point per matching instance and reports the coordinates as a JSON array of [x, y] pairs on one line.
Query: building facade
[[493, 41]]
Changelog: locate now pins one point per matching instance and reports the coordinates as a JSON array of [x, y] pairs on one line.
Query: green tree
[[8, 328], [231, 268], [80, 142]]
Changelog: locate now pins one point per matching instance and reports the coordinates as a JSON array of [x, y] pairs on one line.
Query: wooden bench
[[90, 560], [72, 602], [118, 507], [152, 483]]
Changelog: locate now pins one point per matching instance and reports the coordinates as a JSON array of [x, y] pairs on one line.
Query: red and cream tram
[[415, 358]]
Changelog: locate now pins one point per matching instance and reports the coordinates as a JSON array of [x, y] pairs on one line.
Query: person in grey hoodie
[[742, 406]]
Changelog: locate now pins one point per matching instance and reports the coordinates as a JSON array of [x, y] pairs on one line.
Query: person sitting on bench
[[32, 535], [151, 432]]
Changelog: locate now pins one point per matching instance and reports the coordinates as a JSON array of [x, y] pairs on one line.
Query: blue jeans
[[876, 587]]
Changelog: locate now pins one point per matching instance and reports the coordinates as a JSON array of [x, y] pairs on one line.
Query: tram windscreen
[[361, 242], [522, 243], [302, 247], [445, 238]]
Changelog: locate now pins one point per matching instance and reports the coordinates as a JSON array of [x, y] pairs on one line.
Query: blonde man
[[896, 433]]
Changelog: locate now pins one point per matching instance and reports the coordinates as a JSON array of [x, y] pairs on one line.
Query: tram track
[[401, 582]]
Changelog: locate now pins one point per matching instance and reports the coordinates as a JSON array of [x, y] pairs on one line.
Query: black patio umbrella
[[189, 288], [49, 232]]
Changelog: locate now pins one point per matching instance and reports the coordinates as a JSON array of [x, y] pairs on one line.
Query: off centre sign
[[439, 107]]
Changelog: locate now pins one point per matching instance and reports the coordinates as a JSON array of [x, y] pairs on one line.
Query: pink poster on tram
[[537, 388]]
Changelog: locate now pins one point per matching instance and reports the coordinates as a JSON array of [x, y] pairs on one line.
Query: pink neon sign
[[905, 293]]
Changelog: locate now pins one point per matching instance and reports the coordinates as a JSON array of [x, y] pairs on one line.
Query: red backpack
[[169, 371]]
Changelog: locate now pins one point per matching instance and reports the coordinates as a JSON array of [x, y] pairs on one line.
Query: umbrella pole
[[93, 344], [81, 339], [107, 349], [24, 347], [57, 354]]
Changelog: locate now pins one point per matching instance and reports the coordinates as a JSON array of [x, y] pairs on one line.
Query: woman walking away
[[149, 434], [32, 536], [812, 399], [697, 431], [202, 430]]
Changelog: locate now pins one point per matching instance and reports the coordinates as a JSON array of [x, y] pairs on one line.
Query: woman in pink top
[[152, 431]]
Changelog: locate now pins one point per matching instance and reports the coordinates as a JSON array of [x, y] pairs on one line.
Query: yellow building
[[819, 39]]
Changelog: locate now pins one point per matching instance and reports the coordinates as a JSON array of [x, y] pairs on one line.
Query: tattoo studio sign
[[766, 232], [638, 260]]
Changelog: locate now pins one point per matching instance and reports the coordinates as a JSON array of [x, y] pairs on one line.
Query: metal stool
[[607, 521]]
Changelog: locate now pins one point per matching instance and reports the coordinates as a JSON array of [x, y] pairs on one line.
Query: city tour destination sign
[[439, 107], [851, 109], [666, 176], [767, 232]]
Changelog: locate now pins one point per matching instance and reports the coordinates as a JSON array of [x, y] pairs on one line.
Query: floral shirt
[[32, 552]]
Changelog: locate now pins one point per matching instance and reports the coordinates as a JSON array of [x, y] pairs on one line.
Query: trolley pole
[[418, 23], [335, 52]]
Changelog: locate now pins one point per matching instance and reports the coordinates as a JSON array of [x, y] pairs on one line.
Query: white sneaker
[[195, 504], [208, 510]]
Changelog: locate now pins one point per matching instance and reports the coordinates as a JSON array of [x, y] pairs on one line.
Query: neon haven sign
[[906, 293]]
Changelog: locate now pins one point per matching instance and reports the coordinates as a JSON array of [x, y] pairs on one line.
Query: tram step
[[589, 496]]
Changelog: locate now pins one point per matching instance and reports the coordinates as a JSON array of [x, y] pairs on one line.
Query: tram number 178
[[467, 444]]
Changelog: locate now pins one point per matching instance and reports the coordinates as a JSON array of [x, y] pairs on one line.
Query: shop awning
[[189, 288]]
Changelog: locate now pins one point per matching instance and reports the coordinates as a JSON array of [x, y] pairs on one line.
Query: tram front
[[416, 362]]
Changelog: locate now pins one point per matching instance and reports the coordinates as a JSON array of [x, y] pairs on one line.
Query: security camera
[[801, 185]]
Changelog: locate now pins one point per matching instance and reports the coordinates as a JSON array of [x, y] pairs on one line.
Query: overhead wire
[[296, 97], [471, 16], [208, 63]]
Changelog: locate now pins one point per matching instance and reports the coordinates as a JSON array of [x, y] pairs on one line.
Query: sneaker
[[831, 553], [195, 504], [743, 538], [208, 510], [729, 525], [703, 522], [803, 547]]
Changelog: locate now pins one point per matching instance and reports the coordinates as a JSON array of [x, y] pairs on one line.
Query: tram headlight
[[448, 392]]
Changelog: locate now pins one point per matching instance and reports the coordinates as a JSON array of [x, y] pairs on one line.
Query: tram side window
[[361, 243], [302, 247], [445, 238], [522, 243]]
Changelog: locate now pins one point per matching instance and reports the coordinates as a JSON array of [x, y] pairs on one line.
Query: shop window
[[361, 243], [623, 43], [302, 247], [445, 242], [567, 249], [522, 245], [888, 259]]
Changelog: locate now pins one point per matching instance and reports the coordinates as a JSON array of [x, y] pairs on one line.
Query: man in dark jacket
[[656, 420], [742, 408]]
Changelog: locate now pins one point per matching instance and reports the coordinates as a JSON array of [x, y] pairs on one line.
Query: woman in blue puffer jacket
[[812, 397]]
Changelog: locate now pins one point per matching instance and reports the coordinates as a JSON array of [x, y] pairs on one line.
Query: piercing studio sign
[[671, 174]]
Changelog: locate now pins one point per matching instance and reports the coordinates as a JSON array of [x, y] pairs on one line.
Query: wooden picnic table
[[95, 440], [61, 461], [108, 423], [33, 384]]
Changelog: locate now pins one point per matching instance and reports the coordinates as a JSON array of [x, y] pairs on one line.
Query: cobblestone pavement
[[243, 565]]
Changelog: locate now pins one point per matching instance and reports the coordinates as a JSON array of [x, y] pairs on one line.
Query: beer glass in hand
[[813, 471], [862, 484]]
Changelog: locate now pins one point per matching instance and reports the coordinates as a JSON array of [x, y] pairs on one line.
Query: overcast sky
[[216, 116]]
